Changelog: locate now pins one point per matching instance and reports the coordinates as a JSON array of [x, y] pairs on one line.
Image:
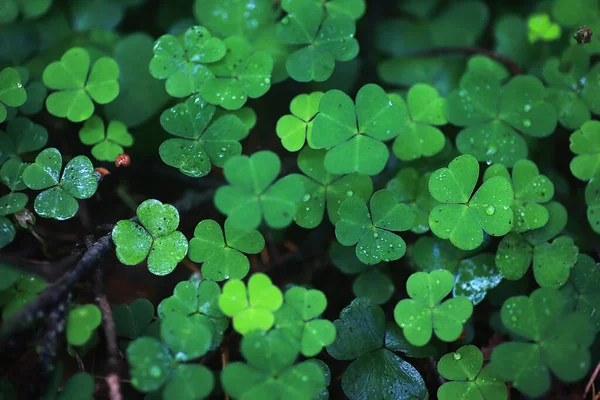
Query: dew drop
[[155, 372], [457, 356], [306, 197], [490, 210], [527, 107], [349, 193], [527, 123], [375, 235]]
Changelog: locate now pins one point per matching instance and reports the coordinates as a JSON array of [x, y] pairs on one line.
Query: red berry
[[123, 160]]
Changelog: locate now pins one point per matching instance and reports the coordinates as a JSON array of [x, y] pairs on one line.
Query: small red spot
[[463, 335], [102, 172], [123, 160]]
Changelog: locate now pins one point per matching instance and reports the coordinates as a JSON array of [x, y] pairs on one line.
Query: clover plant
[[422, 169]]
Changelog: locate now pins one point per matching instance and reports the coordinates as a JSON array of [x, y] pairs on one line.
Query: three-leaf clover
[[253, 195], [585, 143], [582, 289], [181, 60], [425, 312], [58, 201], [270, 371], [107, 144], [355, 134], [22, 292], [462, 218], [240, 75], [251, 308], [131, 320], [30, 9], [12, 93], [325, 38], [22, 136], [557, 340], [363, 336], [296, 128], [82, 323], [77, 86], [573, 87], [222, 254], [592, 199], [156, 239], [373, 230], [234, 18], [492, 114], [202, 138], [468, 380], [422, 112], [323, 189], [412, 188], [11, 174], [298, 318], [542, 28]]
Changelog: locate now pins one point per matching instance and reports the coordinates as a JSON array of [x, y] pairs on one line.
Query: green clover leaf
[[150, 364], [422, 112], [553, 344], [356, 133], [425, 311], [156, 239], [181, 60], [582, 288], [233, 17], [222, 255], [31, 9], [325, 190], [585, 143], [476, 276], [412, 188], [253, 195], [12, 203], [77, 86], [12, 93], [251, 308], [82, 323], [240, 75], [592, 199], [298, 318], [107, 144], [462, 218], [22, 292], [542, 28], [296, 129], [354, 8], [58, 201], [189, 382], [22, 136], [199, 300], [325, 39], [374, 284], [468, 379], [495, 114], [372, 232], [133, 319], [362, 336], [270, 371], [188, 338], [203, 139], [573, 87], [430, 253]]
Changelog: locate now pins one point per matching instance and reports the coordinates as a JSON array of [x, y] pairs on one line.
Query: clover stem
[[512, 66]]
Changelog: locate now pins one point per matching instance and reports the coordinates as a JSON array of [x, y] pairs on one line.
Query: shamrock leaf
[[425, 311], [592, 199], [81, 324], [251, 308], [7, 232], [573, 87], [12, 93], [412, 188], [222, 255], [431, 253], [189, 382], [582, 289], [552, 343], [199, 300], [132, 319], [181, 60], [77, 86], [107, 144], [468, 379], [298, 318], [58, 201], [476, 276], [12, 203], [22, 136], [30, 9], [188, 338], [239, 75], [542, 28], [202, 137], [373, 231], [270, 371], [374, 284], [233, 17], [355, 133], [23, 291], [295, 129], [325, 40], [585, 143], [253, 195], [362, 336], [156, 238], [462, 218], [421, 113], [323, 189], [492, 114]]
